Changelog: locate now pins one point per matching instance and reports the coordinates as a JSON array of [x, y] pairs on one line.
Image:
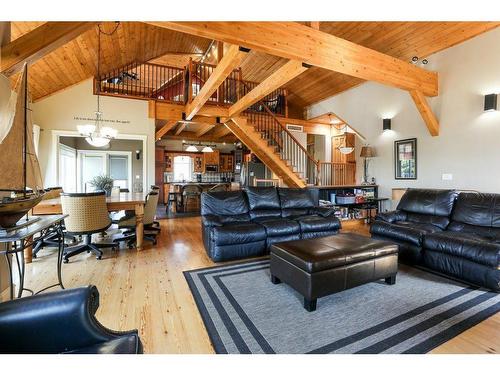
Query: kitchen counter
[[180, 183]]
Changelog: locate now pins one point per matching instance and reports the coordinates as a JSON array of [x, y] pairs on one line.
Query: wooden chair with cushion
[[88, 214], [129, 223]]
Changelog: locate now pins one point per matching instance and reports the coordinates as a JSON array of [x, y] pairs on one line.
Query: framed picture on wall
[[405, 159]]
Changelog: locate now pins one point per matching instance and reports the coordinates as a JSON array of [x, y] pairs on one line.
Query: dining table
[[123, 201]]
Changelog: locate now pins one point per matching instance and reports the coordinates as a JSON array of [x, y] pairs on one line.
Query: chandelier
[[95, 134]]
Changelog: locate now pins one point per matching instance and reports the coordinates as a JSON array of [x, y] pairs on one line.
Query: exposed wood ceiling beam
[[276, 80], [298, 42], [314, 24], [205, 129], [191, 136], [180, 128], [4, 33], [229, 62], [165, 129], [38, 43], [426, 112]]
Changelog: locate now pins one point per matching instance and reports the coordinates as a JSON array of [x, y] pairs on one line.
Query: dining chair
[[129, 223], [87, 214], [156, 189], [218, 187]]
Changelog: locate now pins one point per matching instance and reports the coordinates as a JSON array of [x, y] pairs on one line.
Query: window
[[183, 168]]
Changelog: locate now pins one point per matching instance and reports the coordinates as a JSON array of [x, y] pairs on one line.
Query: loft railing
[[285, 144], [144, 81], [181, 85], [337, 174]]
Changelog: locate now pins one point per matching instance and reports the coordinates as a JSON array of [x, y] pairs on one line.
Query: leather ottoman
[[321, 266]]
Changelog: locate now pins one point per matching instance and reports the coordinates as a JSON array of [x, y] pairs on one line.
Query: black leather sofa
[[61, 322], [241, 224], [454, 234]]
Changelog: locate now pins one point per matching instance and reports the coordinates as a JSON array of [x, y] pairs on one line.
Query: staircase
[[264, 134]]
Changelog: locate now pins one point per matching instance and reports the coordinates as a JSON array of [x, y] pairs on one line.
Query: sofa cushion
[[478, 209], [491, 233], [476, 249], [279, 226], [254, 214], [439, 221], [260, 198], [403, 230], [428, 201], [238, 233], [316, 223], [296, 198], [224, 203]]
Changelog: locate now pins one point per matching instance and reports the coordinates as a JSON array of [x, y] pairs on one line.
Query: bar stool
[[191, 192]]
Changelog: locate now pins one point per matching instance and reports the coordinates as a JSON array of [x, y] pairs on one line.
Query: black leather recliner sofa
[[454, 234], [240, 224], [61, 322], [419, 211]]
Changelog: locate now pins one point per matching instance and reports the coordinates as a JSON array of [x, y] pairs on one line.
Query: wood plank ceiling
[[135, 41]]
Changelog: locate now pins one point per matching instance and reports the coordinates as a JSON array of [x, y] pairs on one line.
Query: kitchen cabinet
[[211, 158], [226, 163], [169, 162], [198, 163]]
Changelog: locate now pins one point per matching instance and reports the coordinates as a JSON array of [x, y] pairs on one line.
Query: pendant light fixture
[[207, 149], [346, 148], [191, 148], [95, 134]]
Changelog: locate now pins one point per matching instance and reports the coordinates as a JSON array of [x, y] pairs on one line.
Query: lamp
[[207, 149], [366, 152], [95, 134], [490, 102], [191, 148], [386, 124]]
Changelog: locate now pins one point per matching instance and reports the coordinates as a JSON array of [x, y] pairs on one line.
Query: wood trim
[[38, 43], [425, 110], [165, 129], [229, 62], [276, 80], [295, 41]]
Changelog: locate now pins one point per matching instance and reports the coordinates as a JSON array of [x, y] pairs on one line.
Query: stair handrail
[[283, 127]]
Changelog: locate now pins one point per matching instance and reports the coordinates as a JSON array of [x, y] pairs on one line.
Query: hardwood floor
[[147, 290]]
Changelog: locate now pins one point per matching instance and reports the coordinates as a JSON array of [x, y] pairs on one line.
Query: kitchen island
[[177, 187]]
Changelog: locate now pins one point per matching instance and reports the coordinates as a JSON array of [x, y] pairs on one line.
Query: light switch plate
[[447, 177]]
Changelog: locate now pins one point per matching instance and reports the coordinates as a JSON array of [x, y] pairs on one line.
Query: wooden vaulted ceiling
[[77, 60], [135, 41]]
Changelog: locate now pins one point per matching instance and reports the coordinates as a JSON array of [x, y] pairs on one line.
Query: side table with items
[[17, 240]]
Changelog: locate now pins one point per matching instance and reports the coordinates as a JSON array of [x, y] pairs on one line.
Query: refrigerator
[[251, 170]]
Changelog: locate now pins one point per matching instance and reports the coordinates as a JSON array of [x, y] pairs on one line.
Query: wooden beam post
[[426, 112], [279, 78], [299, 42], [165, 129], [39, 42], [228, 63]]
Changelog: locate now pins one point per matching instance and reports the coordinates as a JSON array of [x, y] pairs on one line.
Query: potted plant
[[103, 182]]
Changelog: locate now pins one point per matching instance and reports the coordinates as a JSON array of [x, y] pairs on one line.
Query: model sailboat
[[20, 178]]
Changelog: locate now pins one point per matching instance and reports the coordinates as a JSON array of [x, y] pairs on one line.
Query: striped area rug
[[245, 313]]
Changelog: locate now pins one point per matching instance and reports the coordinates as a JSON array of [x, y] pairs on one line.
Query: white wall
[[469, 142], [57, 112]]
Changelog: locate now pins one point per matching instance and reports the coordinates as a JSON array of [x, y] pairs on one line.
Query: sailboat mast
[[25, 143]]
